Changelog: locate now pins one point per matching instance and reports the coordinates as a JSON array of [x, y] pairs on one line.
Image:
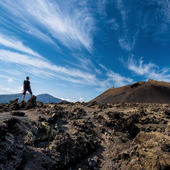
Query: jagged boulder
[[3, 130], [22, 104], [14, 104], [31, 103], [12, 153], [17, 113]]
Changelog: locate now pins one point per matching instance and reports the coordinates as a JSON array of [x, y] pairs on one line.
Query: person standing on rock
[[26, 87]]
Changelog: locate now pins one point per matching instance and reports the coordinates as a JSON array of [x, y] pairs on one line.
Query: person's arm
[[29, 85], [23, 86]]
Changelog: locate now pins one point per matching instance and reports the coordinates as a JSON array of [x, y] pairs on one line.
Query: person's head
[[27, 78]]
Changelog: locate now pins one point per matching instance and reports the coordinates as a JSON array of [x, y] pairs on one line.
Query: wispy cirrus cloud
[[139, 67], [81, 61], [104, 67], [150, 18], [10, 80], [3, 76], [149, 70], [118, 79], [7, 90], [98, 71], [128, 42], [101, 7], [160, 17], [15, 44], [113, 79], [46, 68], [127, 39], [53, 21], [113, 24]]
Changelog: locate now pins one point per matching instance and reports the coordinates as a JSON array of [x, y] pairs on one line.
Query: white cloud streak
[[113, 24], [101, 6], [160, 17], [10, 80], [140, 18], [6, 90], [139, 67], [128, 39], [128, 43], [50, 20], [82, 62], [98, 71], [16, 45], [3, 76], [118, 79], [149, 71], [47, 68], [113, 79], [104, 67]]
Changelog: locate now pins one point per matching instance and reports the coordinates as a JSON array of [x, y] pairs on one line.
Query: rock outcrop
[[14, 105]]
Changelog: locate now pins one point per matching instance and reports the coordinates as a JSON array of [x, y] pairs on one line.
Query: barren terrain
[[122, 136], [151, 91]]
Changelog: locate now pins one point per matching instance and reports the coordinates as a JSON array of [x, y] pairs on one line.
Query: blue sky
[[76, 49]]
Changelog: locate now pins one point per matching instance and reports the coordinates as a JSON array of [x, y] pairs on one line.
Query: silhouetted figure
[[26, 87]]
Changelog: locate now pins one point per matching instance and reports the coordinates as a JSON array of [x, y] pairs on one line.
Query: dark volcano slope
[[140, 92]]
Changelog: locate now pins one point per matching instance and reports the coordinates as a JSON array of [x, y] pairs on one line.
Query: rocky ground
[[84, 136]]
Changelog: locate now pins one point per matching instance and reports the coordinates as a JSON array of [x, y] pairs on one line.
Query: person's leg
[[30, 92], [24, 95]]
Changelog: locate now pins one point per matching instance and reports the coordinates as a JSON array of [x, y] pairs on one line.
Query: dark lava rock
[[80, 111], [103, 106], [77, 113], [31, 103], [165, 148], [115, 115], [41, 119], [167, 112], [65, 151], [92, 104], [17, 113], [58, 108], [121, 124], [14, 104], [52, 119], [12, 153], [67, 136], [137, 84], [3, 130], [40, 104], [11, 122], [22, 104]]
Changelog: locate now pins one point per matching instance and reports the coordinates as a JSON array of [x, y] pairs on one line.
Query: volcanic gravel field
[[83, 136]]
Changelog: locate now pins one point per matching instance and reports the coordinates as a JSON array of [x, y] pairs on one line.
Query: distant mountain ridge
[[45, 98], [151, 91]]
